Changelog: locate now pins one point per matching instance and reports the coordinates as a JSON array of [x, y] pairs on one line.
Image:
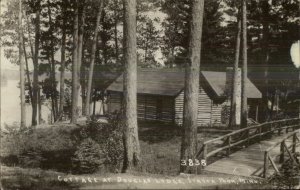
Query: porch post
[[256, 114]]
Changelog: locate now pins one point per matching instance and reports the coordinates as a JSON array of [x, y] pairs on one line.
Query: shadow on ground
[[155, 132]]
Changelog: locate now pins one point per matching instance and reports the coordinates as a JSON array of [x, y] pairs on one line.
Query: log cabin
[[160, 96]]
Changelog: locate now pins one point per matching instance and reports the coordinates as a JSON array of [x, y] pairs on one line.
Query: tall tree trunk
[[244, 114], [94, 108], [299, 101], [265, 57], [83, 89], [63, 65], [75, 67], [39, 107], [232, 121], [146, 50], [93, 56], [29, 37], [173, 48], [80, 53], [36, 65], [27, 70], [116, 31], [273, 95], [131, 139], [52, 63], [22, 70], [191, 91], [52, 78]]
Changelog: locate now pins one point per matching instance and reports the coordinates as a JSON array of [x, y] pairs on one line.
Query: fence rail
[[245, 135], [283, 148]]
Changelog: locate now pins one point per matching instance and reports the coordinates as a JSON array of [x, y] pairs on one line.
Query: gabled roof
[[156, 82], [217, 80], [171, 83]]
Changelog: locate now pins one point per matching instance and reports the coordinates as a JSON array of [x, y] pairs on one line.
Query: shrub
[[50, 147], [66, 148], [88, 157], [109, 137]]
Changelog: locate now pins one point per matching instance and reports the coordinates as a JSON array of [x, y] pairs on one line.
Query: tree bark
[[93, 56], [244, 114], [35, 83], [131, 139], [63, 65], [265, 57], [75, 68], [22, 70], [39, 107], [29, 37], [116, 31], [80, 53], [83, 89], [191, 91], [232, 121], [52, 78], [52, 63], [27, 70], [94, 107]]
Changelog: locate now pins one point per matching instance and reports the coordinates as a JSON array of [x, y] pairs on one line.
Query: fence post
[[281, 159], [260, 133], [266, 164], [271, 128], [294, 143], [204, 153], [278, 127], [229, 144], [248, 137]]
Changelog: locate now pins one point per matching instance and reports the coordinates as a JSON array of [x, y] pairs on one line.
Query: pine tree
[[232, 121], [148, 40], [74, 108], [92, 63], [63, 61], [22, 70], [37, 9], [81, 80], [131, 139], [244, 114], [191, 92]]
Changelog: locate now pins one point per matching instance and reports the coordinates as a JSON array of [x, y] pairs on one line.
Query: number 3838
[[191, 162]]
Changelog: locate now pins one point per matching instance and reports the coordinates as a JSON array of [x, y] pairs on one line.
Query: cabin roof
[[171, 83], [217, 80]]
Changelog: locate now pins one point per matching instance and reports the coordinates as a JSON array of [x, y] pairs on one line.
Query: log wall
[[209, 113], [149, 107]]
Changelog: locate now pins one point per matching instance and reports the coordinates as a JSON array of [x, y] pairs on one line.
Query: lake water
[[10, 104]]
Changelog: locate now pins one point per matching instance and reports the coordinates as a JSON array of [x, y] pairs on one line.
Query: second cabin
[[160, 96]]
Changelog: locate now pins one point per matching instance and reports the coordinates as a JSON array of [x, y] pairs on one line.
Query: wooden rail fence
[[245, 135], [268, 159]]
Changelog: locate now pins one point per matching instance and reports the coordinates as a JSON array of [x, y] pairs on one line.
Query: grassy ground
[[160, 147], [160, 151]]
